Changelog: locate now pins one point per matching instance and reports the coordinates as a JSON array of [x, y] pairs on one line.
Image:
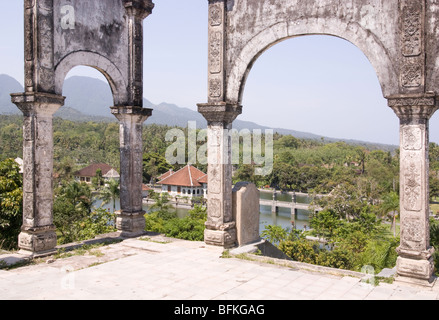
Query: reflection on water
[[282, 218]]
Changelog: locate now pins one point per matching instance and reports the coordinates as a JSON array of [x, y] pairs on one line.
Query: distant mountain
[[89, 99], [8, 85]]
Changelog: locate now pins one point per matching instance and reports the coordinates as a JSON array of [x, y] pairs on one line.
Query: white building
[[186, 182]]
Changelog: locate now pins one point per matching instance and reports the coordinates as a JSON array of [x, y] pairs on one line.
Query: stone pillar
[[37, 235], [130, 219], [220, 226], [137, 11], [415, 261]]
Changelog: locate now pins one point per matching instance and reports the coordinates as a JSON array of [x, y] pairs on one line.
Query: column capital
[[37, 102], [128, 112], [139, 8], [219, 112], [412, 107]]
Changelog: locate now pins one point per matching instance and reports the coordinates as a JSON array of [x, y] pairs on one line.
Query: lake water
[[282, 218]]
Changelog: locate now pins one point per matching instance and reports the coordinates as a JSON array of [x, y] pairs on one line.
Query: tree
[[390, 205], [275, 234], [154, 165], [98, 180], [64, 169], [325, 223], [110, 193], [343, 201], [11, 203], [434, 186], [72, 205], [162, 207]]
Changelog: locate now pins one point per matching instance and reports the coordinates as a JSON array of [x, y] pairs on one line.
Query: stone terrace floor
[[161, 268]]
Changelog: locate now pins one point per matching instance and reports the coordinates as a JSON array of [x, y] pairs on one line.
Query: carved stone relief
[[215, 15], [215, 207], [214, 184], [216, 51], [412, 73], [412, 234], [412, 26], [412, 197], [215, 87], [412, 138], [412, 44]]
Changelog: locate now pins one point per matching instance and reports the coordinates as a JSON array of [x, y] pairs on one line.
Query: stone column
[[130, 219], [37, 235], [415, 261], [137, 11], [220, 226]]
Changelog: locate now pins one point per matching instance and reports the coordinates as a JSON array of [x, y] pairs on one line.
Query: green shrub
[[186, 228], [379, 254], [300, 250], [98, 222], [339, 258], [189, 228], [11, 203]]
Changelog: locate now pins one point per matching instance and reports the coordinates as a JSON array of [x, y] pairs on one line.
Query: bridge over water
[[299, 201]]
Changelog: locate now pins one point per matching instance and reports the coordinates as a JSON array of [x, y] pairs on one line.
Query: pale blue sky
[[318, 84]]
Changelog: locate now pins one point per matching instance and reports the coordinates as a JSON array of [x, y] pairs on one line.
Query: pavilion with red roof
[[186, 182]]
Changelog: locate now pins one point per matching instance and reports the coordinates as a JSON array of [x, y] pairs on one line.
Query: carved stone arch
[[59, 35], [399, 37], [85, 58], [363, 39]]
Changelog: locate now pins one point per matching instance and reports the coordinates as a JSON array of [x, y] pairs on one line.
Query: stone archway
[[397, 36], [59, 35], [113, 75]]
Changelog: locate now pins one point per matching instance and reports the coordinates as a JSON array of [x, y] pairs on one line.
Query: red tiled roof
[[203, 179], [165, 175], [90, 171], [186, 177]]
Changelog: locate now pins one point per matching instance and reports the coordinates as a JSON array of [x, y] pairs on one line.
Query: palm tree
[[390, 204], [79, 194], [109, 193], [162, 207]]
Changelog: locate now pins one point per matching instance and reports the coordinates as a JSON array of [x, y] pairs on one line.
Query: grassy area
[[434, 207]]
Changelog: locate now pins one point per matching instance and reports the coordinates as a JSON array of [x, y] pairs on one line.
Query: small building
[[19, 161], [186, 182], [86, 174], [112, 174]]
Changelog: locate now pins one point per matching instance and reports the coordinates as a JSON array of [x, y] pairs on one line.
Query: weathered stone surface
[[399, 37], [60, 35], [106, 35], [246, 212], [38, 233], [130, 219], [415, 254], [219, 229]]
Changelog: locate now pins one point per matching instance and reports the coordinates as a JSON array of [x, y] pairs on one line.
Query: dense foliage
[[344, 245], [74, 216], [11, 202], [163, 219]]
